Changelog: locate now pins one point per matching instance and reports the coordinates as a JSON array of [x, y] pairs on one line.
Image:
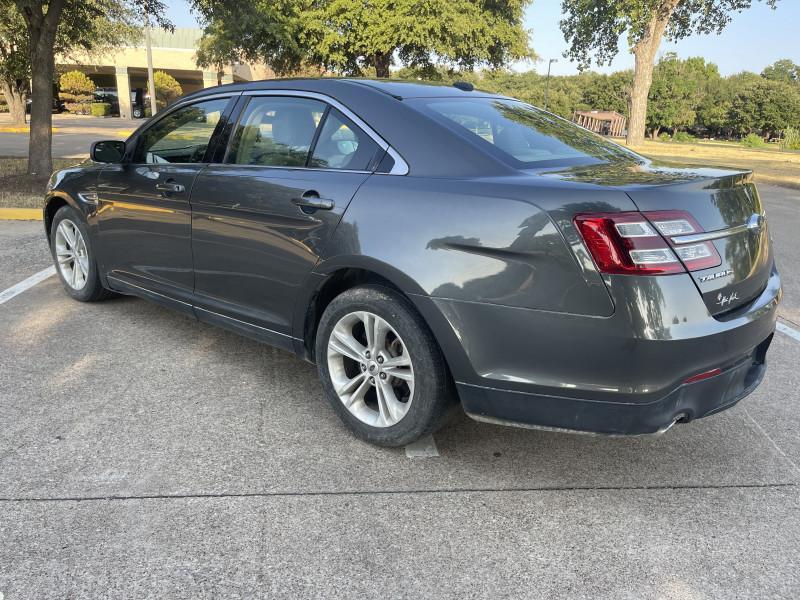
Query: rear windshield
[[520, 134]]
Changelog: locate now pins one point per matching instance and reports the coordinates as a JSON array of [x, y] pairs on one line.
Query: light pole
[[547, 80], [150, 81]]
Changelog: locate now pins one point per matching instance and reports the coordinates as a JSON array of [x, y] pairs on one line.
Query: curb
[[21, 214]]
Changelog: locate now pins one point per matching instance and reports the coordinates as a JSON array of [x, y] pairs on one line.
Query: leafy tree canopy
[[593, 27], [783, 70], [354, 36]]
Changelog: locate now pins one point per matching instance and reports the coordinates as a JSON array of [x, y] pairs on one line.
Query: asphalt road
[[143, 454], [73, 135]]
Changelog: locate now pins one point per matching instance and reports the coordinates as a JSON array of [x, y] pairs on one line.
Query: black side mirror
[[107, 151]]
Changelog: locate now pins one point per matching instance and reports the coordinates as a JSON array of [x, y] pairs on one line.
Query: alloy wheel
[[371, 369], [71, 254]]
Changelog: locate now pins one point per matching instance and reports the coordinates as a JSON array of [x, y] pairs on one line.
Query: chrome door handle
[[313, 202], [171, 187]]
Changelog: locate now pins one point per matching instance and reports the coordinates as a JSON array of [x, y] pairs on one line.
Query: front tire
[[74, 259], [381, 368]]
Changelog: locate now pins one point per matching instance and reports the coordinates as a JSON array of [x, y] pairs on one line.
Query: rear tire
[[71, 249], [391, 386]]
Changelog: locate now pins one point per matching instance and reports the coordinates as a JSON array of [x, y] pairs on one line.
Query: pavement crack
[[423, 491]]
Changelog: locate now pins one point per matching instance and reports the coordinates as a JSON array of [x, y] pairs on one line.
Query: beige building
[[125, 68]]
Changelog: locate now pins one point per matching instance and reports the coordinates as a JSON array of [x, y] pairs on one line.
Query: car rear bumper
[[625, 374], [688, 402]]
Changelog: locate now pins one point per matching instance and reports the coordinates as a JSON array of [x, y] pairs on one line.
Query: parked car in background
[[58, 105], [139, 100], [427, 246]]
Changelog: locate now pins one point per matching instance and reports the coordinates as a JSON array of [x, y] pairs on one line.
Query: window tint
[[182, 136], [521, 134], [342, 145], [276, 131]]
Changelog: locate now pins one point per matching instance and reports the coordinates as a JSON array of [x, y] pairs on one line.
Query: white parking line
[[791, 332], [422, 448], [16, 290]]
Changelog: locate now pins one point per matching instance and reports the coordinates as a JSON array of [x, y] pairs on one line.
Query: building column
[[210, 79], [124, 92]]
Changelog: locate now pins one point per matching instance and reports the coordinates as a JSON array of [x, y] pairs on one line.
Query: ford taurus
[[433, 246]]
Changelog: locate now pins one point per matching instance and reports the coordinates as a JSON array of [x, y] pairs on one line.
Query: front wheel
[[72, 254], [381, 368]]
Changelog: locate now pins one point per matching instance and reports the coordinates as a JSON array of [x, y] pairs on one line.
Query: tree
[[45, 23], [678, 91], [764, 106], [14, 71], [594, 26], [782, 70], [76, 89], [354, 36], [167, 88]]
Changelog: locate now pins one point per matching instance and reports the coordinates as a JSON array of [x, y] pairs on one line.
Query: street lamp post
[[150, 81], [547, 80]]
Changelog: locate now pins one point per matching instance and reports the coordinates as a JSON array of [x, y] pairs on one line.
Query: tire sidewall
[[93, 285], [431, 391]]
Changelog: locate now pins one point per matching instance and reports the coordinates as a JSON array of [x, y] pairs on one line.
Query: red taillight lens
[[633, 243], [627, 244]]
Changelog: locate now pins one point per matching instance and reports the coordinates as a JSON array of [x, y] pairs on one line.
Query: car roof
[[397, 88], [402, 89]]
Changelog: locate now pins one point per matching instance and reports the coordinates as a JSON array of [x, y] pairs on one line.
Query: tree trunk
[[15, 98], [382, 62], [644, 53], [41, 35], [654, 133]]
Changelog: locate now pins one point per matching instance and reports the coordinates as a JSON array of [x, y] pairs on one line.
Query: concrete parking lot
[[143, 454]]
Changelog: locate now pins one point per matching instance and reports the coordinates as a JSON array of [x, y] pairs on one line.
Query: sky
[[756, 38]]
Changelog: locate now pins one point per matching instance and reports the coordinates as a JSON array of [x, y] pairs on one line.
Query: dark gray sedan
[[429, 246]]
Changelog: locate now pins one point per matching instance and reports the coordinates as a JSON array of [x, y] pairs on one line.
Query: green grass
[[20, 190]]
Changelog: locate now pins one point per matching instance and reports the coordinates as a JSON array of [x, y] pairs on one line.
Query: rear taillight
[[633, 243]]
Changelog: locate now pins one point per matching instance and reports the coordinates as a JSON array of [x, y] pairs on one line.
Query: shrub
[[167, 88], [77, 91], [683, 137], [101, 109], [791, 139], [664, 137], [752, 140]]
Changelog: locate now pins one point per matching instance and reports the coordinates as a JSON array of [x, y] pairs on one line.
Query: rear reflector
[[704, 375], [632, 243]]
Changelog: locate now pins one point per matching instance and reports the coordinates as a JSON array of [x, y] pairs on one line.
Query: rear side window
[[342, 145], [182, 136], [276, 131]]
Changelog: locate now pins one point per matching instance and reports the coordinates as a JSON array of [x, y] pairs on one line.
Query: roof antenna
[[464, 86]]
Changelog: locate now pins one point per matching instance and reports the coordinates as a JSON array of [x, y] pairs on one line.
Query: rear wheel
[[72, 254], [382, 371]]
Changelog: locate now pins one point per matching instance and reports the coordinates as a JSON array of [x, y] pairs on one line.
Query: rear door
[[263, 215], [143, 205]]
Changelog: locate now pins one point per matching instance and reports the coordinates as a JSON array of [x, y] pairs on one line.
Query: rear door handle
[[313, 202], [170, 187]]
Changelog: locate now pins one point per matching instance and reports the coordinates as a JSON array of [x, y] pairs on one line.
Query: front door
[[262, 218], [144, 214]]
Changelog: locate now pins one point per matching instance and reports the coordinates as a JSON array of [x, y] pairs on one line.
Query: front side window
[[183, 135], [276, 131], [520, 134]]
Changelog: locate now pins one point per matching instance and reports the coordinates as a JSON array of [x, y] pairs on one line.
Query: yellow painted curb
[[12, 129], [21, 214]]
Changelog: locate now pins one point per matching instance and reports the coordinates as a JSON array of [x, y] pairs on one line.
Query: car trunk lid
[[727, 207]]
